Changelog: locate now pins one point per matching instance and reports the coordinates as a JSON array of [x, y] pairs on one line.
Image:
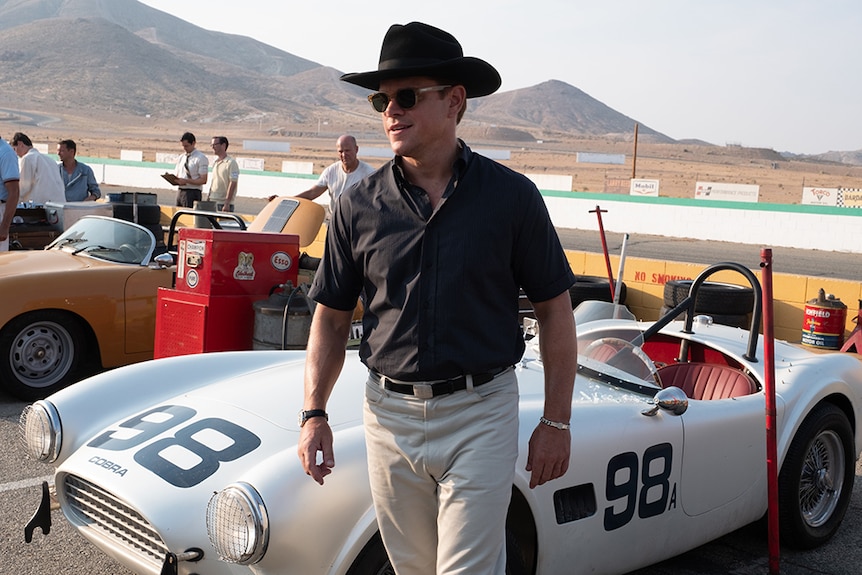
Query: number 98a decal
[[192, 454], [642, 487]]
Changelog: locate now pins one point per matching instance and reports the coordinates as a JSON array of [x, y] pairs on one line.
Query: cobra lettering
[[192, 454], [649, 493], [109, 465]]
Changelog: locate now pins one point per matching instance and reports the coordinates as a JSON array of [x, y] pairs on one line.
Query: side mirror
[[163, 261], [671, 399]]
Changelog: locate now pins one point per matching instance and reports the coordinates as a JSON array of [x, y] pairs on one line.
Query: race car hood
[[276, 394]]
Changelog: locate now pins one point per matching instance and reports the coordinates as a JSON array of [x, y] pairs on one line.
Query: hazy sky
[[781, 74]]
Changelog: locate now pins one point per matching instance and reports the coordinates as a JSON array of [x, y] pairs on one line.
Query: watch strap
[[307, 414]]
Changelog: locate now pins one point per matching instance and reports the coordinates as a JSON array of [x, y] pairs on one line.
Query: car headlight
[[41, 431], [237, 524]]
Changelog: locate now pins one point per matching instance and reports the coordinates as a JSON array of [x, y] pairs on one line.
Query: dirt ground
[[677, 166]]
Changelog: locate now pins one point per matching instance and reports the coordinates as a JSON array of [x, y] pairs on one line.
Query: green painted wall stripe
[[691, 202]]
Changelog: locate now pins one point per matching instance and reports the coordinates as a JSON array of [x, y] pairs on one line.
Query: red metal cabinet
[[220, 274]]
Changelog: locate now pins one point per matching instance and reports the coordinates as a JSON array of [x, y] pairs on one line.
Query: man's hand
[[548, 454], [316, 437]]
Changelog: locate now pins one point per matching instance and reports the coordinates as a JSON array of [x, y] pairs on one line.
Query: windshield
[[611, 351], [107, 239]]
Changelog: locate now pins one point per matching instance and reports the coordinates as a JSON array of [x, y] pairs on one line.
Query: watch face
[[305, 415]]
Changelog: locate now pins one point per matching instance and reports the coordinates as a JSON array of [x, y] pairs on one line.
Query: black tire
[[373, 560], [593, 288], [712, 297], [816, 479], [40, 353], [148, 214], [742, 321]]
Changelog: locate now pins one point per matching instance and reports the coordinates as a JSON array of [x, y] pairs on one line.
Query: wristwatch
[[307, 414]]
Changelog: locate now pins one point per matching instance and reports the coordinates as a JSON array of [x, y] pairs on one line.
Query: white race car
[[189, 465]]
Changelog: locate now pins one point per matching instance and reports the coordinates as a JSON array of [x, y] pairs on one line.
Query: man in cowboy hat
[[440, 239]]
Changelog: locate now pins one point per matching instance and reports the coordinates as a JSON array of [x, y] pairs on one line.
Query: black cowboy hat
[[417, 49]]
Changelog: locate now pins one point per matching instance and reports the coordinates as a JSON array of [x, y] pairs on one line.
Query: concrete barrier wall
[[253, 183], [770, 225], [773, 225]]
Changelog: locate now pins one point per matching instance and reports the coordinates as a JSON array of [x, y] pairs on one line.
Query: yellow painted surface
[[645, 280]]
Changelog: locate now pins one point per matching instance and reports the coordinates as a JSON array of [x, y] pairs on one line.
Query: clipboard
[[172, 179]]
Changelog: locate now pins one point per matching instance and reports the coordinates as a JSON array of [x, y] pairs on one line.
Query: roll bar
[[687, 305]]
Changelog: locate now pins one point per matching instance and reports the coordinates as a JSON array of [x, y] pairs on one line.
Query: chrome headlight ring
[[40, 431], [238, 524]]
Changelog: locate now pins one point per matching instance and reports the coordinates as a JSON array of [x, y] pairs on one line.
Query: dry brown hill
[[125, 60], [555, 107], [123, 56]]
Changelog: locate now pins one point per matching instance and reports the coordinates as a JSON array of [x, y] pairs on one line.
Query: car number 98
[[212, 441]]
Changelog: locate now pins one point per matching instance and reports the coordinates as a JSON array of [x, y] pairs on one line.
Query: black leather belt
[[189, 189], [429, 389]]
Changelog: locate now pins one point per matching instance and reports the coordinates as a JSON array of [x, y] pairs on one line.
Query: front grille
[[115, 520]]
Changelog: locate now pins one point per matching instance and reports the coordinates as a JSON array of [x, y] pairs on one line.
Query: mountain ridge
[[124, 56]]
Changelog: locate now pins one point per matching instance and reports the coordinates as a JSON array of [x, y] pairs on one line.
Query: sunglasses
[[406, 98]]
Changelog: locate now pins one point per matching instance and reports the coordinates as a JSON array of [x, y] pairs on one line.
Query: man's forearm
[[558, 347], [325, 358]]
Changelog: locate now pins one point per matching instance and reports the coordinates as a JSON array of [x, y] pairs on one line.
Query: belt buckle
[[423, 391]]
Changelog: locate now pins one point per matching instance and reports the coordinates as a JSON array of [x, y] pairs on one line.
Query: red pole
[[598, 211], [771, 414]]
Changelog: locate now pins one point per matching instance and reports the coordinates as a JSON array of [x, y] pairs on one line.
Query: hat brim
[[478, 77]]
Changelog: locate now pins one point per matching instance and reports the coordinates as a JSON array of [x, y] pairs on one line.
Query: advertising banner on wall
[[644, 188], [726, 192], [820, 196], [850, 197], [551, 182], [249, 163], [596, 158]]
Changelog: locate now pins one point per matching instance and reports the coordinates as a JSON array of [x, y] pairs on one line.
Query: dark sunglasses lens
[[379, 101], [406, 98]]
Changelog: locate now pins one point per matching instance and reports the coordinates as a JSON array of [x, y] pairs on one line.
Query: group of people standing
[[192, 166], [44, 180], [191, 174], [36, 178]]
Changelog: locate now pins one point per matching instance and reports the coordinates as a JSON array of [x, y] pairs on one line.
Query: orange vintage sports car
[[87, 302]]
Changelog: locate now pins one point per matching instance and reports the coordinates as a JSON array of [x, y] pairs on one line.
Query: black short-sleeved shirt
[[441, 288]]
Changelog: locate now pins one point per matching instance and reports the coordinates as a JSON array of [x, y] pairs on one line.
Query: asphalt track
[[816, 263]]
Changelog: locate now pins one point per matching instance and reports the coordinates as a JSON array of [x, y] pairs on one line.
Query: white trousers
[[441, 475]]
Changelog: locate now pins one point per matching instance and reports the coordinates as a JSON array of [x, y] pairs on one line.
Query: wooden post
[[635, 154]]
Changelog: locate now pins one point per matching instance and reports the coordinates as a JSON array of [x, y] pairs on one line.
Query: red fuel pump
[[220, 274]]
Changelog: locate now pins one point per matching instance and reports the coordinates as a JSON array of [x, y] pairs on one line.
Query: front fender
[[316, 528]]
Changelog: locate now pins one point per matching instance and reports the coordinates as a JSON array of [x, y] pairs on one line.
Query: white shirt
[[40, 179], [338, 181]]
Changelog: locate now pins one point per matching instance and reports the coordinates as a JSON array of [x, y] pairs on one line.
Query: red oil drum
[[823, 322]]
